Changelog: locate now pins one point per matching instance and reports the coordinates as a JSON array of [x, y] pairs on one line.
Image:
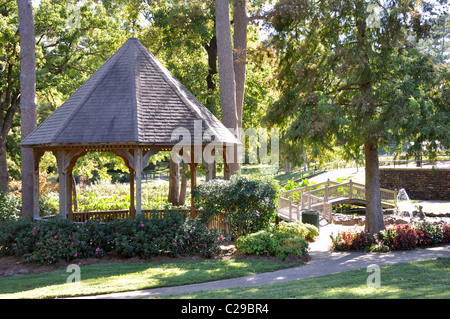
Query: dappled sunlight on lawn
[[117, 277], [414, 280]]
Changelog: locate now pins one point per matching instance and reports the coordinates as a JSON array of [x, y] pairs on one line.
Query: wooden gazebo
[[133, 107]]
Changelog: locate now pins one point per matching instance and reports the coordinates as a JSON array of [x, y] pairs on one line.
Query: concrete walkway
[[323, 262]]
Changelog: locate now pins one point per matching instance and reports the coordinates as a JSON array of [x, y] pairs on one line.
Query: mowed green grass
[[117, 277], [429, 279]]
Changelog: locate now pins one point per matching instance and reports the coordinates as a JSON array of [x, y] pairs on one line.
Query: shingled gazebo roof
[[132, 99]]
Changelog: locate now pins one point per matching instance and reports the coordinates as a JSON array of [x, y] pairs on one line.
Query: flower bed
[[48, 242], [395, 237]]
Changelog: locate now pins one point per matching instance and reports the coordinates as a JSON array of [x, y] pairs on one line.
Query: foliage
[[102, 196], [183, 37], [197, 239], [376, 85], [180, 34], [291, 245], [49, 241], [298, 228], [272, 244], [259, 243], [396, 237], [10, 207], [248, 203], [293, 185], [67, 54]]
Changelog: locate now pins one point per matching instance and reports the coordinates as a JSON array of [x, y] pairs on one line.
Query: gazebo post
[[193, 169], [129, 160], [69, 186], [62, 177], [138, 169], [65, 160], [132, 208]]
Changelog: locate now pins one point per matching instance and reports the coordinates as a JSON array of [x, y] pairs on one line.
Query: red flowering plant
[[399, 237], [395, 237], [446, 233], [354, 240]]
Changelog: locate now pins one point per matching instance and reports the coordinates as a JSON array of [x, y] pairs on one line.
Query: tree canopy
[[72, 41], [343, 82], [350, 76]]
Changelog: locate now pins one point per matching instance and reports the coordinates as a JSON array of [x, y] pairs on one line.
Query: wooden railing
[[322, 196], [217, 222], [111, 215]]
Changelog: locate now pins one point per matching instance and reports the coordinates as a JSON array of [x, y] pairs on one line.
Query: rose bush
[[48, 242]]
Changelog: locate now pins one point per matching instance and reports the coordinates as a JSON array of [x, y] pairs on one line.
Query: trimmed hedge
[[48, 242]]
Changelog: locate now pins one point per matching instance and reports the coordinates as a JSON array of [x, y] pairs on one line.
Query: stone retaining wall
[[419, 183]]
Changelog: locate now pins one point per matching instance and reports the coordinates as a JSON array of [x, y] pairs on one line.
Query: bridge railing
[[321, 196]]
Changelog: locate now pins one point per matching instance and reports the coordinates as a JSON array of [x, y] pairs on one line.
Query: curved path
[[323, 262]]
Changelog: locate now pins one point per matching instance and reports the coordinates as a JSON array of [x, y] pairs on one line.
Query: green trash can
[[311, 217]]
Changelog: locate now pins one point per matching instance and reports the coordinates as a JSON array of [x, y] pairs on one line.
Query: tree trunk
[[27, 99], [374, 213], [174, 183], [3, 167], [226, 71], [211, 50], [240, 54], [240, 21]]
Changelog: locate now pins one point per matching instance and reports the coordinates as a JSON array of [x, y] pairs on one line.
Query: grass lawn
[[283, 178], [117, 277], [429, 279]]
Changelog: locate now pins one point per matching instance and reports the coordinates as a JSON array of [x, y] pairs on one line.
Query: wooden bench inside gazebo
[[133, 107]]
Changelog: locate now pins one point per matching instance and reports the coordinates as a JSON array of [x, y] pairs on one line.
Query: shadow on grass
[[413, 280], [115, 277]]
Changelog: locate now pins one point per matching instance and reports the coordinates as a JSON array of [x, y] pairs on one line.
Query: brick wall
[[419, 183]]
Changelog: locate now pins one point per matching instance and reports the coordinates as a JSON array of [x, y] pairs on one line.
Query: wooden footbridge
[[321, 197]]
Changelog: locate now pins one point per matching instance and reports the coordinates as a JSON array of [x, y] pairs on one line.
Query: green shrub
[[249, 203], [272, 244], [298, 228], [10, 207], [259, 243], [48, 242], [147, 238], [292, 245], [195, 238]]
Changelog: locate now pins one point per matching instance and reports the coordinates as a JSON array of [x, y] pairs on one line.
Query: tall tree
[[66, 55], [9, 84], [226, 72], [240, 22], [349, 78], [28, 111]]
